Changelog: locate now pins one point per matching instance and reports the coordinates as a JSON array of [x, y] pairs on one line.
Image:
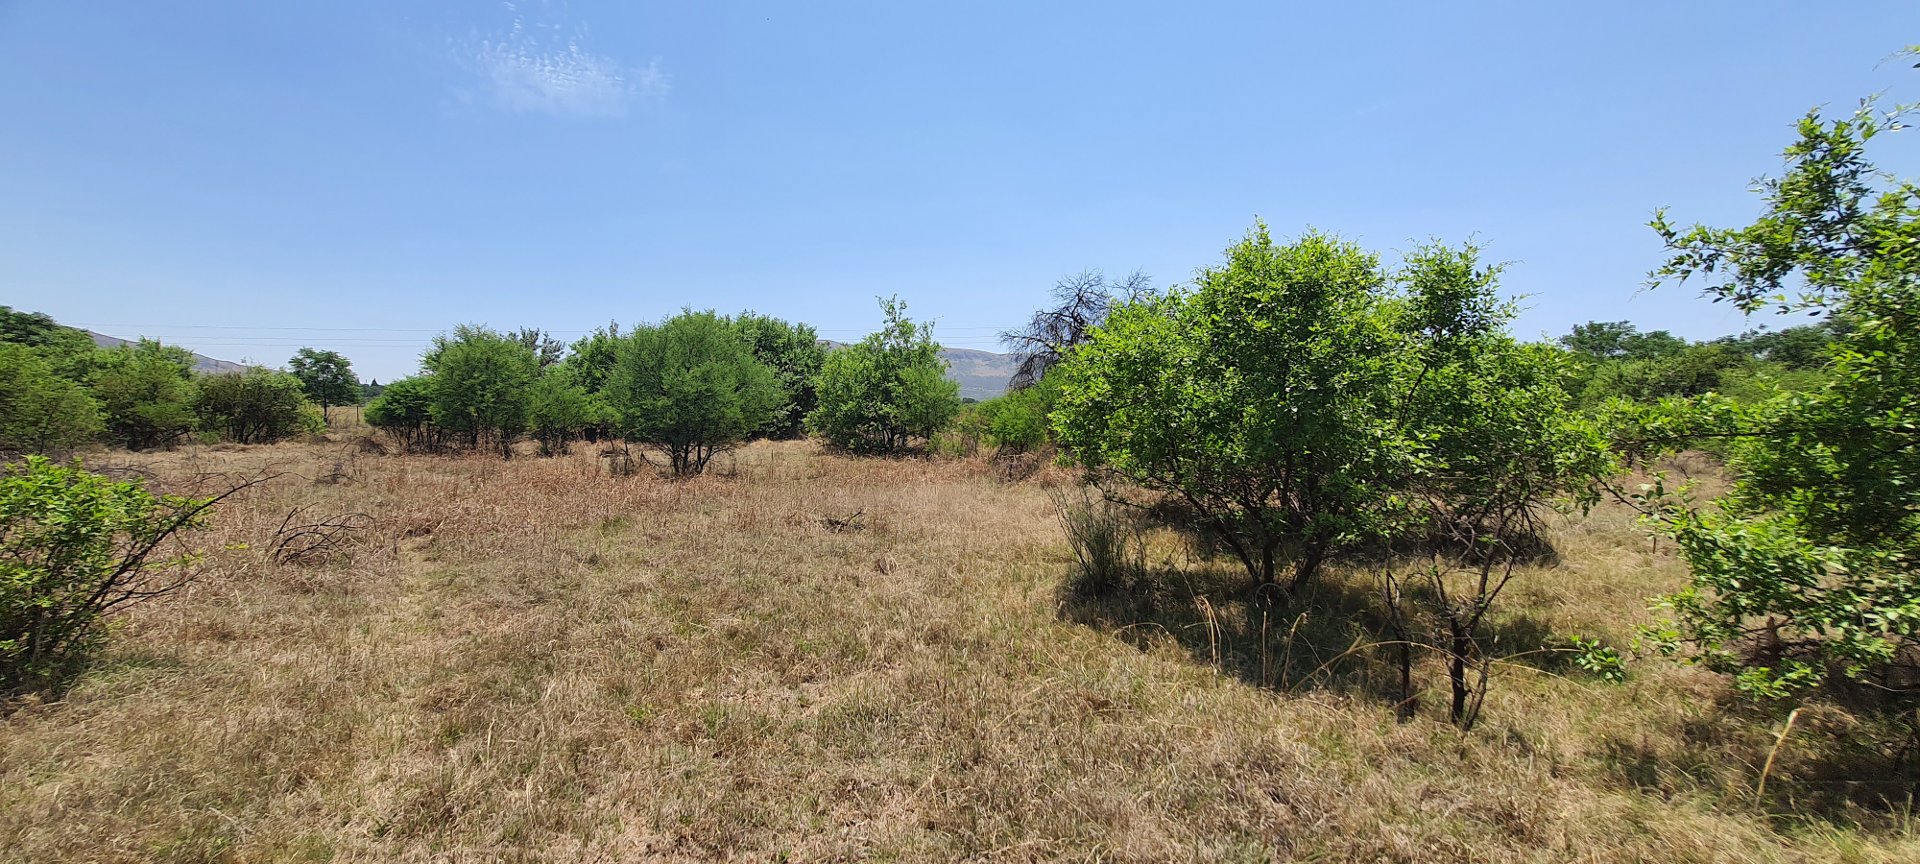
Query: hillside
[[981, 374], [201, 362]]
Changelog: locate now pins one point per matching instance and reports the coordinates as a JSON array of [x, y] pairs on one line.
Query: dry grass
[[534, 661]]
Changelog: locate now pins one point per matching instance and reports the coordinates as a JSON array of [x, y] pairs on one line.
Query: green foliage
[[1806, 570], [481, 380], [145, 391], [1599, 659], [41, 412], [1017, 422], [326, 376], [691, 386], [1259, 397], [1299, 398], [559, 409], [794, 353], [256, 406], [37, 330], [1616, 361], [1620, 340], [74, 547], [404, 409], [547, 350], [593, 357], [881, 394]]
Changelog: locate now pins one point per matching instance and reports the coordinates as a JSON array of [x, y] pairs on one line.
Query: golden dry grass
[[534, 661]]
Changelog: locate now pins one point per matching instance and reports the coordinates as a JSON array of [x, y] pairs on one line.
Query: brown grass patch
[[535, 661]]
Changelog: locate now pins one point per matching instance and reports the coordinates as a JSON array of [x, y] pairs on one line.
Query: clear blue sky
[[220, 173]]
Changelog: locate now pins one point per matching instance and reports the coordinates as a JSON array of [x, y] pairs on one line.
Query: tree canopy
[[691, 386], [1806, 571], [326, 377], [886, 391]]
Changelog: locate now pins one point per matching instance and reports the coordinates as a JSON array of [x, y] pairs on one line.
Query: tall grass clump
[[1108, 549]]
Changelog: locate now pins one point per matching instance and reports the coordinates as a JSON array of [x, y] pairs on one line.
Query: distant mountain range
[[980, 374], [201, 362]]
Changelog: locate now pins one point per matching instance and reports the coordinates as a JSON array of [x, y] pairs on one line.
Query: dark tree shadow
[[1833, 768], [1332, 636]]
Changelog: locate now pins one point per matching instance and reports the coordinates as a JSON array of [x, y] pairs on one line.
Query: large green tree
[[481, 380], [691, 386], [1808, 570], [886, 391], [1262, 397], [1299, 396], [326, 376]]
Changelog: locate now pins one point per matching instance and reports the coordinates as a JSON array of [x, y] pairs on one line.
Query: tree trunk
[[1459, 644], [1311, 557]]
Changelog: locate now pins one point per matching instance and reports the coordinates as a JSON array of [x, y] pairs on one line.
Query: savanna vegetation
[[1309, 558]]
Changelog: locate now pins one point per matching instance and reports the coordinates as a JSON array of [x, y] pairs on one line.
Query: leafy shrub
[[1300, 398], [691, 386], [558, 409], [885, 392], [1017, 422], [404, 409], [145, 391], [256, 406], [794, 354], [40, 412], [74, 547], [1805, 573], [479, 386]]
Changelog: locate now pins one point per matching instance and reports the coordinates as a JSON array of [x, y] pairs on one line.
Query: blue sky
[[245, 178]]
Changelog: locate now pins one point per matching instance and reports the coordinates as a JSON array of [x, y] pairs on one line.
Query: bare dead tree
[[1080, 303]]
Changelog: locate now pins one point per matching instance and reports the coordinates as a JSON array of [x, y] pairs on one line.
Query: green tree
[[481, 380], [794, 353], [1263, 397], [593, 357], [880, 394], [691, 386], [1493, 435], [1805, 572], [327, 378], [546, 349], [1617, 340], [38, 330], [1017, 422], [1299, 397], [41, 412], [145, 391], [558, 410], [255, 406], [404, 409]]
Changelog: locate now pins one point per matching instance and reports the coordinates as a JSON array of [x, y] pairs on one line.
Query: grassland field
[[809, 657]]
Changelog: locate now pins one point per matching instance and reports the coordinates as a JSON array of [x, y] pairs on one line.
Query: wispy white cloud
[[545, 65]]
